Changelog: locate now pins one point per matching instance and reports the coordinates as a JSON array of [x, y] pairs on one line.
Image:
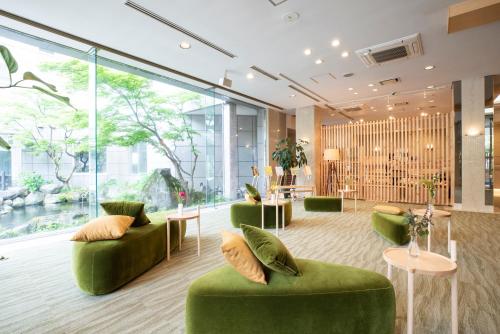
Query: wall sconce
[[429, 146], [377, 149], [473, 132]]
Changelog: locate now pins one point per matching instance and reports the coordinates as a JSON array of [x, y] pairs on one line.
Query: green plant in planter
[[289, 155], [33, 181]]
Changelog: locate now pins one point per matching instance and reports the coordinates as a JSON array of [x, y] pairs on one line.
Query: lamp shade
[[331, 154]]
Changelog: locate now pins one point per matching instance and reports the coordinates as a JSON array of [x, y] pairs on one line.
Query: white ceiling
[[255, 31]]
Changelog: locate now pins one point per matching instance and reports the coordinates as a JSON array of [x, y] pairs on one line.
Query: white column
[[230, 149]]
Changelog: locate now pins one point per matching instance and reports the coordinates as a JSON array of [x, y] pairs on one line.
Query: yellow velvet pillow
[[250, 199], [238, 254], [393, 210], [104, 228]]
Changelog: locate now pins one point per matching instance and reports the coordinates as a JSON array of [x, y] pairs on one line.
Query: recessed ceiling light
[[345, 54], [350, 122], [318, 61], [335, 42], [375, 89], [292, 95], [430, 67], [392, 118], [185, 45], [350, 88], [430, 87], [355, 93], [438, 113], [431, 101], [250, 75], [372, 107], [370, 85], [423, 114], [390, 108], [388, 105], [307, 52], [361, 120]]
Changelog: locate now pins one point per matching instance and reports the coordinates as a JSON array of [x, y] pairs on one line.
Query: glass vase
[[413, 249], [430, 207], [180, 209]]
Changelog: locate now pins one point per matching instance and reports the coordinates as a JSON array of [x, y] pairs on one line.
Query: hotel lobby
[[278, 166]]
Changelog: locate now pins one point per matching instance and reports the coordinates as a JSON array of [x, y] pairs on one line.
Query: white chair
[[255, 179]]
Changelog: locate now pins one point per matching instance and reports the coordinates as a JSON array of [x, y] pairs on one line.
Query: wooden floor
[[38, 294]]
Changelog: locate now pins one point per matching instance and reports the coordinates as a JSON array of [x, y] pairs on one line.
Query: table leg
[[199, 247], [429, 236], [389, 271], [262, 215], [355, 203], [168, 240], [277, 216], [449, 235], [342, 196], [454, 304], [180, 234], [283, 217], [409, 319]]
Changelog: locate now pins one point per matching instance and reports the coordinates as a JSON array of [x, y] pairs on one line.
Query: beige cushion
[[393, 210], [239, 255], [104, 228]]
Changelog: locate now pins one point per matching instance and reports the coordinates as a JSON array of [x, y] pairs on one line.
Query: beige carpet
[[38, 295]]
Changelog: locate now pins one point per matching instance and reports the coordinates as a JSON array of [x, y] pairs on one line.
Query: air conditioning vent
[[401, 104], [277, 2], [401, 48], [353, 108], [264, 72], [391, 81]]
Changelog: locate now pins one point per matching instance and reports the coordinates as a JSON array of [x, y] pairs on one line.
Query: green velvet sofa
[[251, 214], [326, 298], [323, 204], [101, 267], [393, 228]]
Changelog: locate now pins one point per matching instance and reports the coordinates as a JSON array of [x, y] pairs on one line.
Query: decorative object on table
[[430, 186], [253, 193], [289, 155], [418, 226], [181, 198], [348, 183], [274, 185], [332, 155]]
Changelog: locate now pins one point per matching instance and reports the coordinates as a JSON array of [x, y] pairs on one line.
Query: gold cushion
[[104, 228], [239, 255], [393, 210], [250, 199]]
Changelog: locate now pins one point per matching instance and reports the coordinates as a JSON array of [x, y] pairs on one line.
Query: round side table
[[427, 263], [343, 193], [179, 218], [436, 214], [276, 203]]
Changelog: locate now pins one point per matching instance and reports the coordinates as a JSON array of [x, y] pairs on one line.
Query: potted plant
[[417, 228], [431, 186], [289, 155], [181, 198]]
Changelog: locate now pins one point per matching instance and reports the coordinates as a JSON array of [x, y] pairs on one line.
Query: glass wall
[[87, 127]]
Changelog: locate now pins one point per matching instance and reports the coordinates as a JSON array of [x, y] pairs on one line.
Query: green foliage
[[430, 186], [289, 155], [12, 67], [419, 227], [33, 181]]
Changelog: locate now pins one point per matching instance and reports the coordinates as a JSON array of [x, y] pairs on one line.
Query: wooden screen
[[385, 160]]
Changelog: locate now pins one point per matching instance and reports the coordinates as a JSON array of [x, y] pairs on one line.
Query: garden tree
[[139, 114], [45, 126]]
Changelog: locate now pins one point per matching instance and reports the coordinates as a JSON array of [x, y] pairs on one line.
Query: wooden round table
[[179, 218], [343, 193], [427, 263], [435, 214], [276, 203]]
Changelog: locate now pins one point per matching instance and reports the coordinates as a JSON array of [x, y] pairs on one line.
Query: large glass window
[[87, 127]]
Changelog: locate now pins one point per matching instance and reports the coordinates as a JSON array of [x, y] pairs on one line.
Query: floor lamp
[[332, 155]]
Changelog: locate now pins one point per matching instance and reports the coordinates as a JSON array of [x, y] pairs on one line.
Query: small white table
[[184, 216], [426, 263], [436, 214], [277, 204], [343, 193]]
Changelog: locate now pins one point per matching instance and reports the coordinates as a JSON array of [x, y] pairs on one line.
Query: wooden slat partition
[[387, 159]]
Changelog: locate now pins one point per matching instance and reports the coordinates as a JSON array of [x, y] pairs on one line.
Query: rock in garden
[[51, 188], [35, 198], [53, 199], [18, 203], [8, 202], [5, 209], [13, 192]]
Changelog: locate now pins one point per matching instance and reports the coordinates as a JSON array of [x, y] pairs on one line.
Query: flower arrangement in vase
[[431, 186], [417, 228], [348, 182], [181, 198]]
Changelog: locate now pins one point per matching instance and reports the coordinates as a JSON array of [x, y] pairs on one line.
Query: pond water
[[23, 215]]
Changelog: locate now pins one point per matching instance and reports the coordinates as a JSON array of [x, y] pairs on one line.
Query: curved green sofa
[[251, 214], [323, 204], [393, 228], [101, 267], [326, 298]]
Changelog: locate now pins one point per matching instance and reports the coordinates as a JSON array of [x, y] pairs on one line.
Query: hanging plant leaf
[[4, 144], [31, 76], [9, 59], [58, 97]]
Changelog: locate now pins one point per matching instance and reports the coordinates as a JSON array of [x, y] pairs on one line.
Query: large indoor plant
[[289, 155]]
